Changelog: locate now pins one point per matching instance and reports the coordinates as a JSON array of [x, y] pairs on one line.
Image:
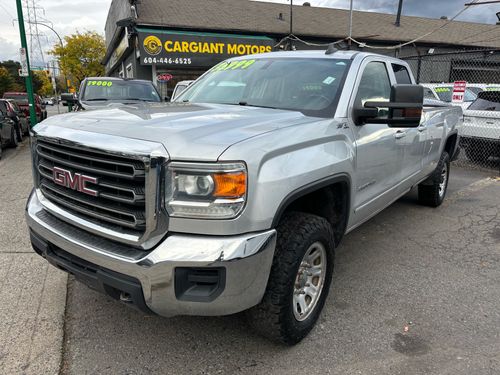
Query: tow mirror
[[404, 108]]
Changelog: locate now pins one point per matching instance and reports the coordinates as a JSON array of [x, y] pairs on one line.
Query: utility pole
[[29, 82], [291, 24], [398, 17], [349, 41]]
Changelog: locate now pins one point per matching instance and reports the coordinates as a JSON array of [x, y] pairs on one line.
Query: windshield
[[311, 86], [445, 94], [18, 98], [487, 101], [102, 90]]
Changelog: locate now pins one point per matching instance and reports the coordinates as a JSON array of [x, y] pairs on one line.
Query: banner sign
[[458, 91], [23, 72], [192, 49]]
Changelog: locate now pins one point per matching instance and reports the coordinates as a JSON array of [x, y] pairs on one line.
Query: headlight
[[205, 191]]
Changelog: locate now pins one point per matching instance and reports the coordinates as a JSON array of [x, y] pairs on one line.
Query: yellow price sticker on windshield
[[233, 65], [100, 83]]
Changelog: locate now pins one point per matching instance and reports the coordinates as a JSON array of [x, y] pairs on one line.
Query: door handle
[[422, 128], [399, 134]]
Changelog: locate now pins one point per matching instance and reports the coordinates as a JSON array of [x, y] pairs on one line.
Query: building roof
[[263, 17]]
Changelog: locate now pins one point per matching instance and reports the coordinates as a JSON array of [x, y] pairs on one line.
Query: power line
[[416, 39]]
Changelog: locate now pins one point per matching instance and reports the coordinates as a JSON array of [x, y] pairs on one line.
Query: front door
[[379, 151]]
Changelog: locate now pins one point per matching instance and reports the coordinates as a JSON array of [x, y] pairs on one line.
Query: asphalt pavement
[[416, 290]]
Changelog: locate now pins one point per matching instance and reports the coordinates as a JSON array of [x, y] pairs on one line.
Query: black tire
[[274, 317], [19, 132], [13, 137], [477, 154], [1, 150], [432, 191]]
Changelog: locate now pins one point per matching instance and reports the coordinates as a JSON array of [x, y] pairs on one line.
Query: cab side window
[[428, 94], [401, 73], [375, 85]]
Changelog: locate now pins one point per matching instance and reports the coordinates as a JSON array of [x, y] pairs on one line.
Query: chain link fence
[[480, 135]]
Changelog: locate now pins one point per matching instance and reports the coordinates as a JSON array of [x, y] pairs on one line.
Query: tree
[[81, 56], [6, 81], [42, 84], [13, 69]]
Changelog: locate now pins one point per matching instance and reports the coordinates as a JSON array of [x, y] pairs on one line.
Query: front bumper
[[244, 260]]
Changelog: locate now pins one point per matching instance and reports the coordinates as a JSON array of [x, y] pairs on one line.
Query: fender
[[310, 188]]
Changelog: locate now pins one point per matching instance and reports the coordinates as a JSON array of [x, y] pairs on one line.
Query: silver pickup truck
[[235, 196]]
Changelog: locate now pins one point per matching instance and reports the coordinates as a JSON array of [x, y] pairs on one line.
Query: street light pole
[[29, 81], [60, 42]]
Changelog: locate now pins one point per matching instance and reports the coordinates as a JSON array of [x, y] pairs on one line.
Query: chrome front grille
[[120, 184]]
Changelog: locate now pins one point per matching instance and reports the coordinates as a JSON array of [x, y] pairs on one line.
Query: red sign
[[164, 77], [458, 91]]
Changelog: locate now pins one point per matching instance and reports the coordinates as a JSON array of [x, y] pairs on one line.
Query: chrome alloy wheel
[[443, 180], [309, 281]]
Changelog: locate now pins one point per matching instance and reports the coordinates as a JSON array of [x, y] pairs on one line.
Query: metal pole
[[62, 46], [291, 23], [29, 81], [350, 25], [398, 17]]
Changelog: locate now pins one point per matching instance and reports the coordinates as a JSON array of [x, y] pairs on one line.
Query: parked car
[[21, 99], [99, 92], [444, 91], [180, 87], [235, 196], [481, 131], [20, 116], [9, 112], [8, 133]]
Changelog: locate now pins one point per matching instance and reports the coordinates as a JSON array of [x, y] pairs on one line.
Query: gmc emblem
[[75, 181]]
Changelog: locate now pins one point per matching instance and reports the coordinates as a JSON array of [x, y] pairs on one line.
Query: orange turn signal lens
[[230, 185]]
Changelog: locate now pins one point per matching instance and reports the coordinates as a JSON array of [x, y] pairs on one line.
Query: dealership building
[[168, 41]]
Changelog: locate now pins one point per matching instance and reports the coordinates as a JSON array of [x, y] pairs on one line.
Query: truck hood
[[200, 132]]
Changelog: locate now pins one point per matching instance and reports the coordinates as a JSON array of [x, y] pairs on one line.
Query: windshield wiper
[[245, 104], [95, 100]]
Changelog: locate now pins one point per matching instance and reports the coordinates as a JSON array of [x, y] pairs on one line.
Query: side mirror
[[405, 108], [68, 98]]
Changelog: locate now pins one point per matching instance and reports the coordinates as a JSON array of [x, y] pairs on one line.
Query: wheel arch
[[329, 198]]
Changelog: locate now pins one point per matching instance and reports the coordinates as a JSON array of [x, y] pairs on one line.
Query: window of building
[[129, 71]]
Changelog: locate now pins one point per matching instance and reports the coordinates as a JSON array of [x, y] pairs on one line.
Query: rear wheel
[[432, 191], [19, 132], [1, 147], [13, 137], [299, 280]]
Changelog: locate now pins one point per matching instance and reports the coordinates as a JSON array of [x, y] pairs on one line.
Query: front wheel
[[299, 280], [432, 191]]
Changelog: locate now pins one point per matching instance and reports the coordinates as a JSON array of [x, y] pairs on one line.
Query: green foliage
[[81, 56], [6, 81]]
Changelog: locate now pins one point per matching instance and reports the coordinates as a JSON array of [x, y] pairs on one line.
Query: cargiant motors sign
[[172, 48]]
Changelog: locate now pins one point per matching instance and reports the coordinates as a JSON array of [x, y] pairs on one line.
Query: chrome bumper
[[246, 260]]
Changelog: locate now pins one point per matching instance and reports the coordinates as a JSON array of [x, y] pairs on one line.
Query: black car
[[12, 111], [8, 133], [100, 92]]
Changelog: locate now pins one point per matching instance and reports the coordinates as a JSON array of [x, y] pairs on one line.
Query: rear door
[[5, 124], [412, 140], [379, 155]]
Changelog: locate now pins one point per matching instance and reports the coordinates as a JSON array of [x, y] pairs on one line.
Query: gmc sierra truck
[[235, 197]]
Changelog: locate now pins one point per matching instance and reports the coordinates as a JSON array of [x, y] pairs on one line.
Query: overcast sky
[[70, 16]]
